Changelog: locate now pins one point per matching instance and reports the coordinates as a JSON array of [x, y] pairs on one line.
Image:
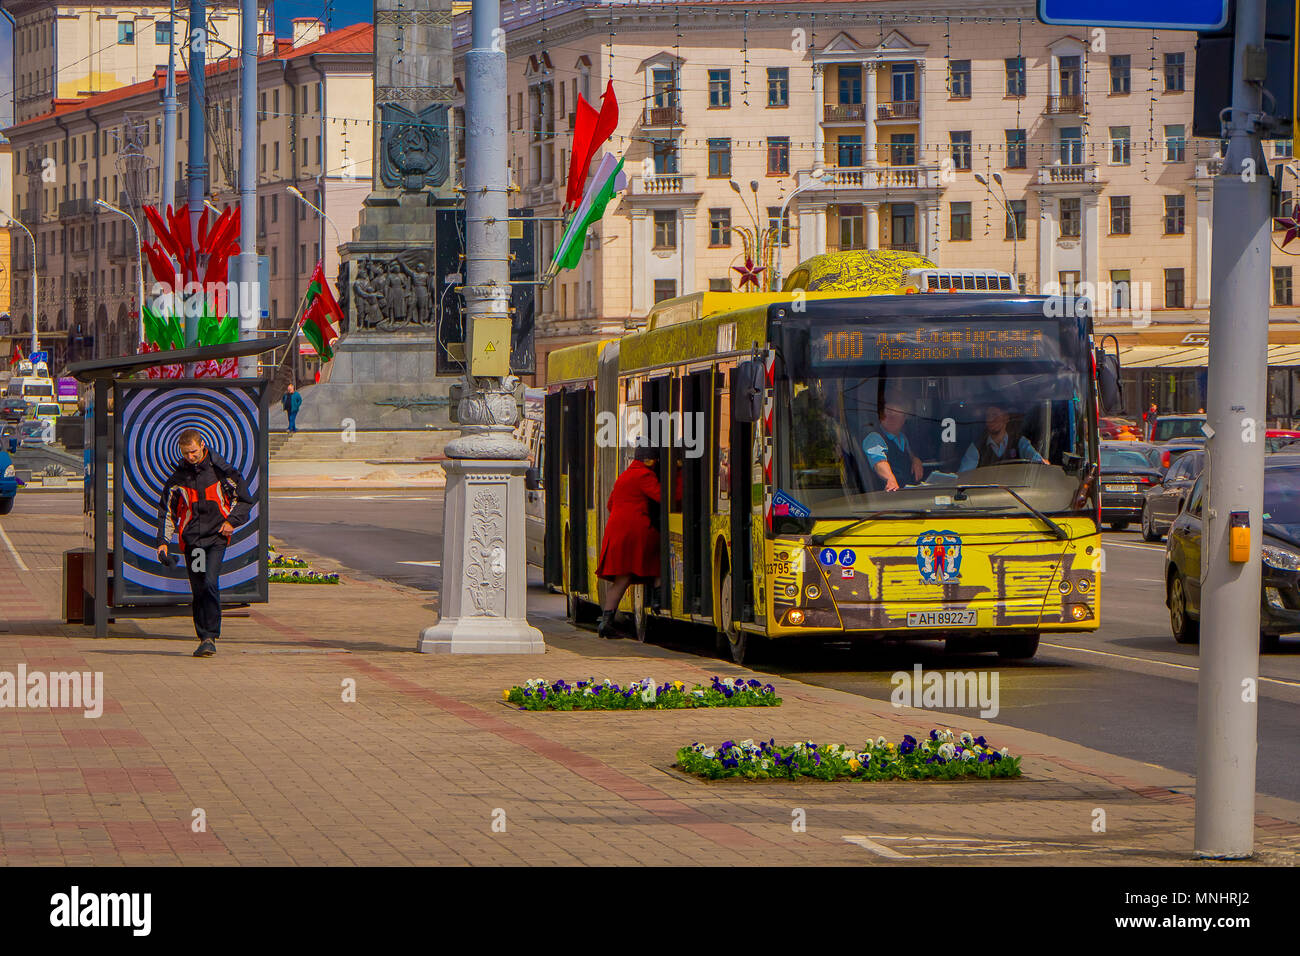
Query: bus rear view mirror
[[747, 397], [1108, 386]]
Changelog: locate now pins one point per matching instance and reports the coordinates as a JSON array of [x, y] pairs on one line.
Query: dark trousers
[[204, 585]]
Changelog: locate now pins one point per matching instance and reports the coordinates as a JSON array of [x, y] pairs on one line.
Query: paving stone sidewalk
[[260, 746]]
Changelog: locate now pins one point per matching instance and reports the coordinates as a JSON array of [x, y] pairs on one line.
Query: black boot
[[606, 626]]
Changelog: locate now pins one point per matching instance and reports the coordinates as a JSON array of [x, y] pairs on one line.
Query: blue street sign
[[1143, 14], [40, 357]]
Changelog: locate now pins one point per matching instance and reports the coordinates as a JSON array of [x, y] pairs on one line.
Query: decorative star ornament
[[750, 273], [1291, 225]]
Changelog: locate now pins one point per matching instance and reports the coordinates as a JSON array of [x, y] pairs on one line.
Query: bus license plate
[[1129, 488], [940, 618]]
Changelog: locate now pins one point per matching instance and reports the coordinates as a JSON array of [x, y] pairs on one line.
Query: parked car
[[13, 409], [8, 483], [1165, 498], [1173, 427], [1275, 439], [1118, 429], [1280, 553], [35, 433], [47, 411], [1128, 468]]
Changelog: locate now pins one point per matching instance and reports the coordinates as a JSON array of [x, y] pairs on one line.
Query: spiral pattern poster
[[232, 417]]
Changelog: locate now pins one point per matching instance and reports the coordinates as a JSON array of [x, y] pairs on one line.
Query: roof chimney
[[307, 30]]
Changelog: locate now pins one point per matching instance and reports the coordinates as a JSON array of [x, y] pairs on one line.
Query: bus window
[[722, 424], [931, 281], [982, 283], [945, 281]]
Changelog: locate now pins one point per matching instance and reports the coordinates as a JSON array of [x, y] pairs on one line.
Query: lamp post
[[1006, 207], [36, 345], [295, 191], [814, 178], [139, 265]]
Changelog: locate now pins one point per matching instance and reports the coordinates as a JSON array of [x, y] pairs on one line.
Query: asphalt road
[[1126, 689]]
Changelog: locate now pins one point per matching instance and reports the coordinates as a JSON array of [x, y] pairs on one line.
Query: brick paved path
[[260, 743]]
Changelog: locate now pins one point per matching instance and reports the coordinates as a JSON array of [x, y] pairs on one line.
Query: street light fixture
[[36, 346], [139, 264], [814, 178], [295, 191], [1011, 219]]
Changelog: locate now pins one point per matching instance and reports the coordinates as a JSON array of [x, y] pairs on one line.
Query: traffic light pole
[[1239, 286]]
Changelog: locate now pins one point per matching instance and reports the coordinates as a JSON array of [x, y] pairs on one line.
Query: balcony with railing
[[1065, 174], [877, 177], [844, 113], [904, 246], [663, 184], [76, 208], [122, 249], [899, 110], [660, 116], [1064, 104]]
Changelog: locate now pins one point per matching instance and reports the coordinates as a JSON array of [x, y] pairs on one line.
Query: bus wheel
[[640, 619], [1019, 647], [730, 642]]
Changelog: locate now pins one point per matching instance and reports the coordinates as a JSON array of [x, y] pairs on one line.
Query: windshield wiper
[[822, 538], [1057, 530]]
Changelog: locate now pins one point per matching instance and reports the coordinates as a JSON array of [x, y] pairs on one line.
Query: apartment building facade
[[314, 131], [967, 132]]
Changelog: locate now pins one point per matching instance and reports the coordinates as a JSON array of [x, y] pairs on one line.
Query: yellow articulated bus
[[840, 465]]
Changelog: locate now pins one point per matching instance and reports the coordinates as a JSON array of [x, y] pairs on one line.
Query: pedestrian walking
[[204, 500], [291, 402], [629, 553]]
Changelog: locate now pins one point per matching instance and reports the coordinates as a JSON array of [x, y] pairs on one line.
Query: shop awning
[[1183, 356]]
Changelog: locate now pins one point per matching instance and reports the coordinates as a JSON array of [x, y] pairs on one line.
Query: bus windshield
[[1004, 431]]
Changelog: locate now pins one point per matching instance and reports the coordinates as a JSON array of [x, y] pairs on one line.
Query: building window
[[1120, 287], [162, 33], [1287, 205], [1015, 69], [665, 229], [665, 289], [959, 221], [777, 226], [1120, 215], [1015, 149], [1070, 73], [1120, 81], [665, 156], [1174, 289], [850, 83], [778, 154], [1175, 143], [848, 151], [959, 79], [1175, 72], [1121, 145], [1282, 147], [902, 149], [1069, 281], [663, 87], [126, 31], [1175, 213], [1071, 218], [902, 83], [719, 89], [778, 86], [1016, 221], [1071, 145], [852, 227], [960, 148], [1281, 285], [720, 285], [719, 227], [719, 158]]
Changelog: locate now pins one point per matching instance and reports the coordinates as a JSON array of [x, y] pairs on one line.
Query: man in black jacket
[[203, 501]]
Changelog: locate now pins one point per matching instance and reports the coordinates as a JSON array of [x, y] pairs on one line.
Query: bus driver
[[998, 443], [889, 454]]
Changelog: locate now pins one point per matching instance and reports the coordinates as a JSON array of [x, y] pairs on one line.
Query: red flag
[[590, 131]]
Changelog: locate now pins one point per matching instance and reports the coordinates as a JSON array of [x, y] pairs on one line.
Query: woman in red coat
[[629, 553]]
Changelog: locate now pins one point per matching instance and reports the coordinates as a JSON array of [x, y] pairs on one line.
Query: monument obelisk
[[383, 373]]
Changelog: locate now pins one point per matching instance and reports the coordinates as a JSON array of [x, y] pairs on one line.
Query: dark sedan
[[1165, 498], [13, 409], [1280, 552], [1128, 468]]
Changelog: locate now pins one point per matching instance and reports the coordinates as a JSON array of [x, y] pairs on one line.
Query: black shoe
[[606, 626], [207, 647]]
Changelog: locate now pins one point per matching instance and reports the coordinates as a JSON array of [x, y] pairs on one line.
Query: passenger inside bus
[[1002, 440]]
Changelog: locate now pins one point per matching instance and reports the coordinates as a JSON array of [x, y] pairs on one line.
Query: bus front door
[[697, 407], [575, 464], [655, 401], [553, 553], [742, 509]]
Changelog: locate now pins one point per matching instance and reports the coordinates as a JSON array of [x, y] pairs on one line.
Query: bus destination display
[[949, 342]]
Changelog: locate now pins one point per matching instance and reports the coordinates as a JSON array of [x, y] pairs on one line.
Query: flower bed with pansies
[[538, 694], [942, 757], [286, 561], [296, 576]]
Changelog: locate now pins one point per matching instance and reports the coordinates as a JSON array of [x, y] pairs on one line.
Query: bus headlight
[[795, 617], [813, 592], [1064, 586], [1083, 585], [792, 590], [1080, 612], [1281, 559]]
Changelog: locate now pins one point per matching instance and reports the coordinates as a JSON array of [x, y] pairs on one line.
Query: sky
[[346, 12]]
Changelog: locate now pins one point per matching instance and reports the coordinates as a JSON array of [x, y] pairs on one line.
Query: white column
[[1047, 226], [872, 210], [920, 113], [812, 231], [1204, 233], [819, 114], [686, 229], [640, 303], [927, 223], [869, 111], [1091, 240]]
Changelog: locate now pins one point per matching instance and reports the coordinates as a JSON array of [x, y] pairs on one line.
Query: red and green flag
[[590, 130], [320, 315], [607, 182]]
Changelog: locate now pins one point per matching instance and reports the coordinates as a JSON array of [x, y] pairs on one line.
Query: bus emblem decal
[[938, 556]]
